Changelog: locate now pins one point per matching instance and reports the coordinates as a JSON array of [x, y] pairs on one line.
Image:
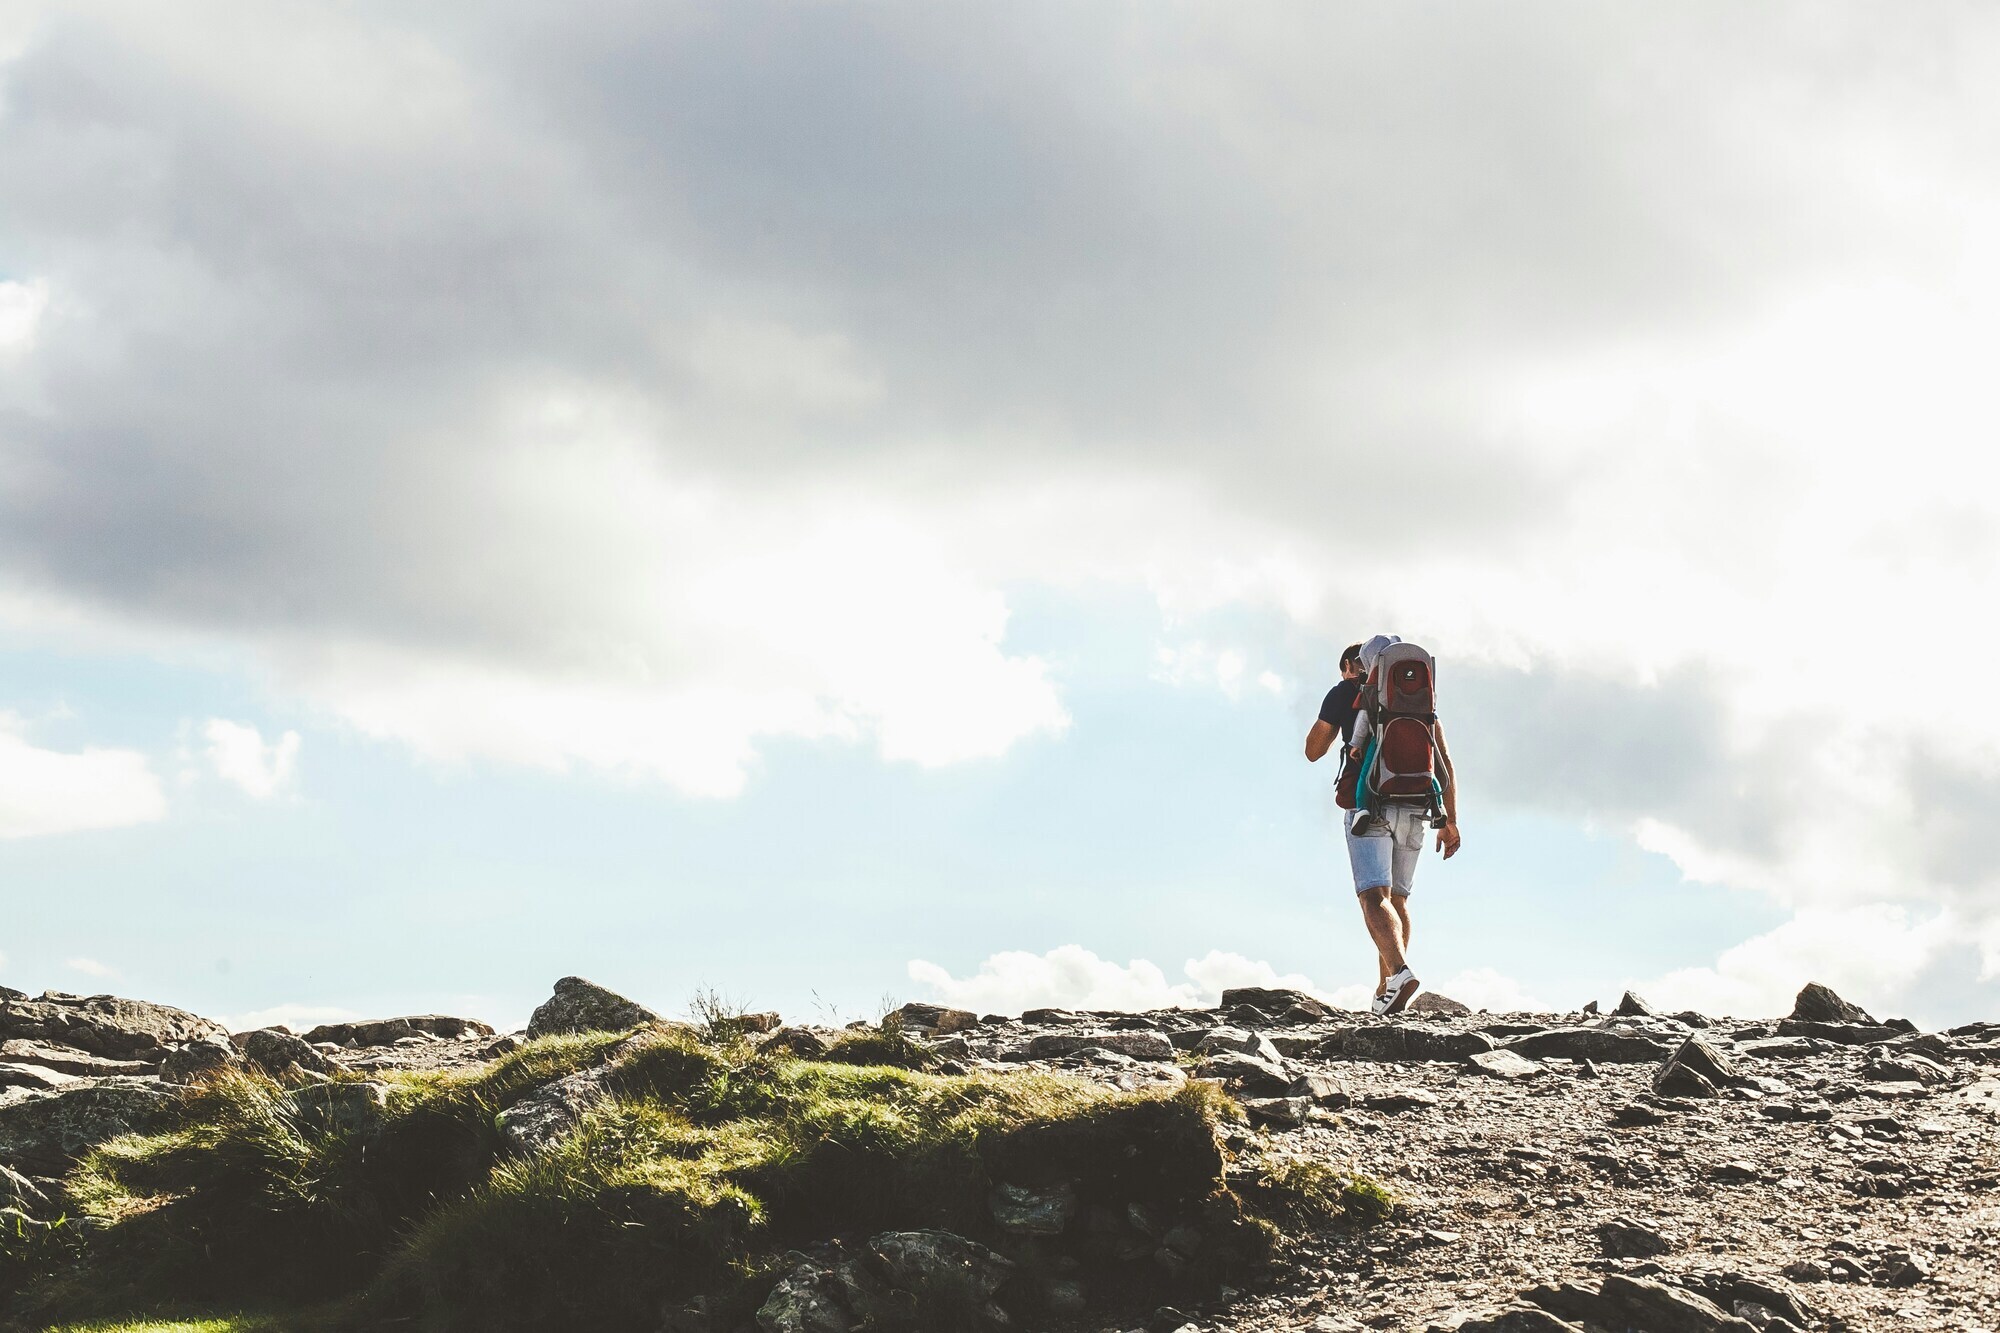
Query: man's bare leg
[[1402, 909], [1385, 927]]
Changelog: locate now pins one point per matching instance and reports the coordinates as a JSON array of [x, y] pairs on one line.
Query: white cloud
[[47, 791], [239, 755], [90, 967], [22, 305], [1197, 662], [297, 1017], [1872, 953], [1486, 988], [1072, 977]]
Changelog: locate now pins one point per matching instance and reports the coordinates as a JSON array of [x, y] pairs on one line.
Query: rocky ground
[[1612, 1172]]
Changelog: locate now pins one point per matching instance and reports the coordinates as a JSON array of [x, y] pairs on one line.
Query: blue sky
[[855, 501]]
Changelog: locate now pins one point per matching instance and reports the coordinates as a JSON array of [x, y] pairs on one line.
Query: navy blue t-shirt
[[1338, 710]]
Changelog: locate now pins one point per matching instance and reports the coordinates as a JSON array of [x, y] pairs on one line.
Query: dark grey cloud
[[1265, 253]]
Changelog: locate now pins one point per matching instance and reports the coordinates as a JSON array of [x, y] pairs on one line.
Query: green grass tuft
[[1304, 1192], [708, 1162]]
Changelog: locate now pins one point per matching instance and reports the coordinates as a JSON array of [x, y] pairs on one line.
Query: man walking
[[1383, 854]]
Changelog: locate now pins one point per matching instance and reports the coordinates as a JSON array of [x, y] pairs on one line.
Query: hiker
[[1336, 711], [1397, 781]]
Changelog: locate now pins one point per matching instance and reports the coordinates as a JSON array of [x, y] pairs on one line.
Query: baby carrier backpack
[[1400, 761]]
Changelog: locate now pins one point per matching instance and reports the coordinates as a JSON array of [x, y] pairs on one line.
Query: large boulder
[[1248, 1074], [1603, 1045], [69, 1060], [932, 1019], [277, 1052], [102, 1024], [1276, 1000], [1397, 1042], [44, 1135], [1818, 1004], [1139, 1044], [1637, 1303], [200, 1060], [553, 1110], [1695, 1069], [1430, 1002], [891, 1285], [389, 1031], [585, 1006], [350, 1110]]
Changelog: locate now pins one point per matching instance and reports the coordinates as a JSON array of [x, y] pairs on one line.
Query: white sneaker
[[1380, 1004], [1398, 991]]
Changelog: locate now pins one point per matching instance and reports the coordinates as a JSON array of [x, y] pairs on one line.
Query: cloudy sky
[[833, 502]]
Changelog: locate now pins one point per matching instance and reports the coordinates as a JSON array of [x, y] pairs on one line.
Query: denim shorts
[[1387, 857]]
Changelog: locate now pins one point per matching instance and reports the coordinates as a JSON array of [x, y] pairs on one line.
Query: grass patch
[[699, 1165], [1305, 1193]]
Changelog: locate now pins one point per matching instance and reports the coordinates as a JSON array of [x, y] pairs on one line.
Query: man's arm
[[1319, 740], [1447, 839]]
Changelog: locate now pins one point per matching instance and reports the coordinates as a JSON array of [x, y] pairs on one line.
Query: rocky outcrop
[[102, 1025], [584, 1006], [45, 1134], [1818, 1004], [553, 1110], [282, 1055], [902, 1279], [206, 1058], [389, 1031]]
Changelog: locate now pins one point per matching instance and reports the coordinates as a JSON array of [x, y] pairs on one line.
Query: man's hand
[[1448, 840]]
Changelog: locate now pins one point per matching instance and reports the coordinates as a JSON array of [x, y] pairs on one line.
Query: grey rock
[[1430, 1002], [1281, 1112], [809, 1299], [1639, 1303], [583, 1006], [21, 1194], [350, 1110], [201, 1059], [1672, 1080], [1626, 1238], [1604, 1045], [1408, 1099], [933, 1018], [1504, 1064], [1515, 1319], [1248, 1074], [1392, 1042], [277, 1052], [1139, 1044], [44, 1135], [1633, 1005], [1781, 1048], [1695, 1069], [873, 1291], [102, 1024], [1275, 1000], [552, 1110], [69, 1060], [1905, 1068], [1818, 1004], [1844, 1034], [1242, 1043], [388, 1031], [1026, 1211], [801, 1042], [33, 1076]]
